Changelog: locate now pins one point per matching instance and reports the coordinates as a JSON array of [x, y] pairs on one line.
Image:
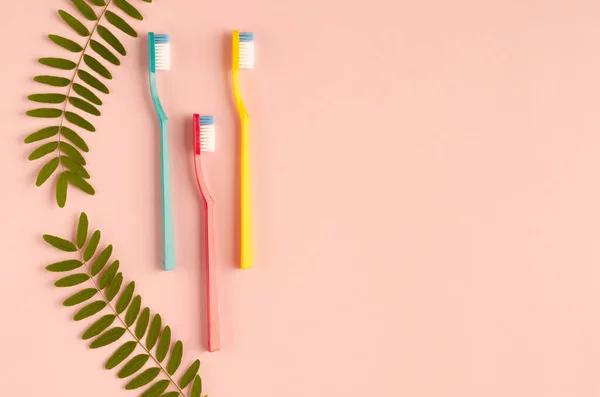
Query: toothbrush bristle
[[162, 46], [207, 134], [246, 50]]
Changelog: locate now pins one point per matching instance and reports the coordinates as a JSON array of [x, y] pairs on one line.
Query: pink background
[[426, 191]]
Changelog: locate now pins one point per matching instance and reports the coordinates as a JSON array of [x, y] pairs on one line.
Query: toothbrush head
[[160, 52], [204, 134], [246, 50]]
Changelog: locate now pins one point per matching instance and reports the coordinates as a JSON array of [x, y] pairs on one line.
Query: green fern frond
[[124, 320], [88, 58]]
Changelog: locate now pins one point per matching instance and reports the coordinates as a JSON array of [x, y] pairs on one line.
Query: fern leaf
[[85, 106], [85, 9], [58, 63], [120, 354], [134, 365], [79, 121], [74, 23], [99, 326], [46, 171], [65, 43], [120, 24], [53, 81], [108, 275], [80, 297], [97, 67], [87, 94], [72, 152], [111, 39], [125, 314], [61, 190], [74, 166], [47, 98], [75, 138], [104, 52], [44, 133], [92, 81]]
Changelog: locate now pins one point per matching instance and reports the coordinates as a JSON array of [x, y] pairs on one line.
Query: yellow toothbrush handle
[[246, 257]]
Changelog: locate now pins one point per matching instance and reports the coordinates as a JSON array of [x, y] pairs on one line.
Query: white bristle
[[247, 54], [163, 56], [207, 138]]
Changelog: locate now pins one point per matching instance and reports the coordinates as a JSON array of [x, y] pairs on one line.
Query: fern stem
[[128, 329], [77, 66]]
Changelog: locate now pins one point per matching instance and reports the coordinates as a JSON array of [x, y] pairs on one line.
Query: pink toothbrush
[[204, 141]]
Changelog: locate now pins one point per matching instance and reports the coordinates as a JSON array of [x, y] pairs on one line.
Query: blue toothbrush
[[160, 59]]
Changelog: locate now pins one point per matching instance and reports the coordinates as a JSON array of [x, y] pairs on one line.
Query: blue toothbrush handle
[[167, 201]]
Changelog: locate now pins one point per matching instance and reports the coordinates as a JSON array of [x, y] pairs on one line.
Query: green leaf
[[189, 374], [74, 166], [142, 323], [65, 43], [114, 287], [85, 9], [111, 39], [79, 183], [80, 297], [97, 67], [89, 310], [133, 311], [99, 326], [64, 266], [84, 105], [120, 23], [52, 80], [143, 379], [47, 98], [175, 359], [134, 365], [44, 133], [154, 331], [104, 52], [75, 138], [87, 94], [92, 81], [98, 3], [172, 394], [46, 171], [108, 337], [156, 389], [125, 298], [120, 354], [58, 63], [128, 9], [92, 245], [61, 190], [45, 113], [79, 121], [72, 152], [74, 23], [101, 260], [72, 280], [60, 243], [82, 230], [43, 150], [163, 346], [108, 275], [196, 387]]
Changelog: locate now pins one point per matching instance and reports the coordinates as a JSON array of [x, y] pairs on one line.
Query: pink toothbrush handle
[[214, 338]]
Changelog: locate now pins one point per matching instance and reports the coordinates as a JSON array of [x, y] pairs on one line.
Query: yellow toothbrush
[[243, 58]]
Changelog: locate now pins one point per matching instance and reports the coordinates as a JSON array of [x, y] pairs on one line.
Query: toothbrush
[[160, 59], [243, 58], [204, 141]]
